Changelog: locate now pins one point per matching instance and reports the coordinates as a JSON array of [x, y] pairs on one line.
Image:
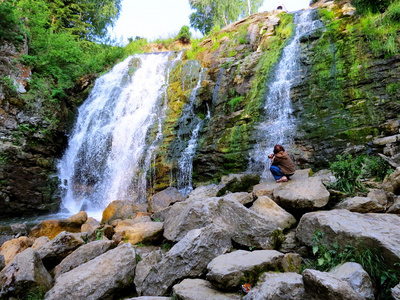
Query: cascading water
[[279, 125], [185, 161], [109, 151]]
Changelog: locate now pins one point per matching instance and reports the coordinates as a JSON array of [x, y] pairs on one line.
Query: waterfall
[[110, 151], [193, 124], [278, 125]]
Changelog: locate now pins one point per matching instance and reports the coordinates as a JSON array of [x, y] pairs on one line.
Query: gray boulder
[[373, 231], [99, 278], [146, 232], [2, 262], [321, 285], [242, 225], [165, 198], [361, 205], [238, 183], [53, 252], [205, 191], [82, 255], [392, 183], [188, 258], [24, 274], [271, 211], [396, 292], [199, 289], [395, 207], [241, 197], [228, 270], [143, 267], [278, 286], [356, 277], [307, 194]]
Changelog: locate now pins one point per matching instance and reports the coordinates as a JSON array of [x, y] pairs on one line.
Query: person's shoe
[[282, 179]]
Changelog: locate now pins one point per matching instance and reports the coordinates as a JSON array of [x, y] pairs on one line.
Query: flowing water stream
[[109, 150], [279, 125]]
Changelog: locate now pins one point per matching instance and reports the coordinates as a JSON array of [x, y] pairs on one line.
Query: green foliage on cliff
[[10, 25]]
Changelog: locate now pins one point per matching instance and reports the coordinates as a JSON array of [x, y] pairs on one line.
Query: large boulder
[[361, 205], [23, 275], [82, 255], [356, 277], [144, 266], [11, 248], [200, 289], [99, 278], [143, 232], [51, 228], [373, 231], [242, 225], [165, 198], [271, 211], [238, 183], [119, 209], [278, 286], [241, 197], [53, 252], [392, 183], [306, 194], [205, 191], [322, 285], [227, 271], [395, 207], [188, 258]]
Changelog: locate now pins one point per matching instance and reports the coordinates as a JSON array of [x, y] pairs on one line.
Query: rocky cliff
[[345, 98]]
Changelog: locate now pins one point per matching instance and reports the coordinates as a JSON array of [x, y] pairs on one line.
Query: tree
[[219, 13], [184, 35], [373, 6]]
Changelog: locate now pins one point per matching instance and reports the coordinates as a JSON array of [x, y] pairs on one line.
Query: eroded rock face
[[99, 278], [187, 259], [23, 275], [227, 271], [374, 231], [243, 225], [200, 289], [82, 255], [321, 285], [276, 286]]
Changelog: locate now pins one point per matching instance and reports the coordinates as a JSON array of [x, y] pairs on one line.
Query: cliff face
[[345, 98]]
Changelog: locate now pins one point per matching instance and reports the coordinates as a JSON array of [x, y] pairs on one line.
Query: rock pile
[[237, 245]]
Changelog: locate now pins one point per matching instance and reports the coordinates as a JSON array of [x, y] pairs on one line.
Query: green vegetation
[[327, 257], [184, 35], [349, 171], [371, 6]]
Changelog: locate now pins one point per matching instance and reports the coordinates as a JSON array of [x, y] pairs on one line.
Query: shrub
[[184, 35], [10, 25]]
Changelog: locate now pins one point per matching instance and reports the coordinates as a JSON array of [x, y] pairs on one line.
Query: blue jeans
[[276, 172]]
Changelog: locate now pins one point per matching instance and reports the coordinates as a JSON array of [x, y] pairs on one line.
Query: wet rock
[[188, 258], [276, 286], [305, 194], [11, 248], [361, 205], [356, 277], [373, 231], [121, 210], [228, 270], [23, 275], [238, 183], [99, 278], [321, 285], [145, 232], [164, 198], [19, 229], [271, 211], [82, 255], [51, 228], [53, 252], [199, 289], [243, 225]]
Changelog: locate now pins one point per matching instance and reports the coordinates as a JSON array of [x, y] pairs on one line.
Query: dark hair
[[278, 148]]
